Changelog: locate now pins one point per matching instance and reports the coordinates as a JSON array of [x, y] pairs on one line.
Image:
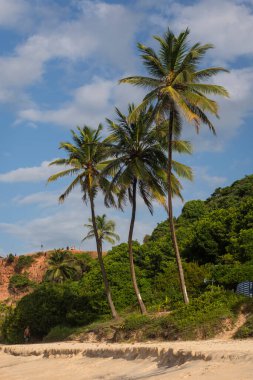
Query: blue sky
[[59, 65]]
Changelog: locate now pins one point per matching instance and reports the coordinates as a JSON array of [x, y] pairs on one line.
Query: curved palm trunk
[[101, 262], [170, 213], [130, 251]]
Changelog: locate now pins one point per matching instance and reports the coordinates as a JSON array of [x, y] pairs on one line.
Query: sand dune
[[214, 359]]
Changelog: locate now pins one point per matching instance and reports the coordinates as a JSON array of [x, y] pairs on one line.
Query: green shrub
[[23, 262], [245, 331], [48, 306], [10, 258], [4, 309], [202, 318], [59, 333], [135, 322], [19, 282], [230, 275], [84, 260]]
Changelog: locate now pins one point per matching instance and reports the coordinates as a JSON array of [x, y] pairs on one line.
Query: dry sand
[[209, 360]]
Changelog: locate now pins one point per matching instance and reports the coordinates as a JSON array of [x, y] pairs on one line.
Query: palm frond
[[207, 73], [64, 173], [209, 89], [69, 189], [181, 146], [182, 170]]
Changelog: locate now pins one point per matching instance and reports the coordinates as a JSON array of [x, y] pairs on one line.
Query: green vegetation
[[4, 309], [10, 259], [23, 262], [48, 306], [63, 266], [246, 331], [20, 283], [71, 306], [203, 318], [59, 333]]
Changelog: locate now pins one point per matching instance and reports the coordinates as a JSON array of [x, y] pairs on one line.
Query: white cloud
[[103, 32], [42, 199], [65, 226], [225, 23], [29, 174], [91, 103], [12, 12], [201, 174], [54, 231]]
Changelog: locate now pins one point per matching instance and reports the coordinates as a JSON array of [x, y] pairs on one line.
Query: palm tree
[[85, 160], [105, 229], [178, 91], [138, 165], [62, 266]]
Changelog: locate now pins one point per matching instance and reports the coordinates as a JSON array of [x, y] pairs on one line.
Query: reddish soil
[[35, 272]]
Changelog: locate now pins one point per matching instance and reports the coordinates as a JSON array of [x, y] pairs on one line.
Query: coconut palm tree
[[138, 165], [86, 156], [179, 91], [62, 266], [105, 229]]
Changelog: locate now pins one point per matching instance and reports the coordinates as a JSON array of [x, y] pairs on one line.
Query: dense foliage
[[215, 237], [48, 306], [217, 230], [203, 318]]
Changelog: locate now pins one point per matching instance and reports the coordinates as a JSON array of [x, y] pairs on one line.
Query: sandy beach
[[212, 359]]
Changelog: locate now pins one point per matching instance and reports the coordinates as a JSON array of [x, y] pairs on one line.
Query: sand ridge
[[157, 360]]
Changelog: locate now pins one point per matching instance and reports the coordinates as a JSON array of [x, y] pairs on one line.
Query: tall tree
[[178, 90], [138, 165], [86, 156], [105, 229]]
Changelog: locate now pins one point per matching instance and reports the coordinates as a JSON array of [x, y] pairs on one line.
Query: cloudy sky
[[60, 61]]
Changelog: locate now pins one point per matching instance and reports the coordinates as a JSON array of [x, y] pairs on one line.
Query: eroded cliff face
[[35, 273]]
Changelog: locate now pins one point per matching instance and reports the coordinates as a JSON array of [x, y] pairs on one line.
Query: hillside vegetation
[[216, 241]]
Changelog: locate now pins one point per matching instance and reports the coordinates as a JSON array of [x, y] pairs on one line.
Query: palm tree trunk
[[101, 262], [130, 251], [170, 213]]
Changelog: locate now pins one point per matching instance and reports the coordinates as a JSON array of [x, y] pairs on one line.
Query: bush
[[59, 333], [48, 306], [117, 268], [19, 282], [85, 261], [135, 322], [204, 315], [10, 259], [23, 262], [4, 309], [246, 331], [201, 319], [231, 275]]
